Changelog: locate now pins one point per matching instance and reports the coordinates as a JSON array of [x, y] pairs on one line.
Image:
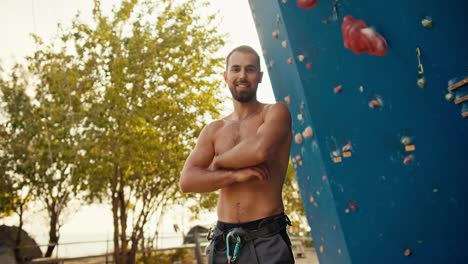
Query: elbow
[[183, 184]]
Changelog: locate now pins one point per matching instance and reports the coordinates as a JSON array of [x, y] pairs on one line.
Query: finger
[[261, 175]]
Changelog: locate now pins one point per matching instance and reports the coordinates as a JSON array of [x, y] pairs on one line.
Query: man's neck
[[245, 110]]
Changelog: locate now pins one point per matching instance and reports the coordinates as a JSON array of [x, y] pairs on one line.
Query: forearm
[[247, 153], [198, 180]]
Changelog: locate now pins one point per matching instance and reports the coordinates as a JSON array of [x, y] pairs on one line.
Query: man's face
[[243, 76]]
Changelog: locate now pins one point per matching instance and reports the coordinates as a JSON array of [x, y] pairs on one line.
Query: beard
[[243, 96]]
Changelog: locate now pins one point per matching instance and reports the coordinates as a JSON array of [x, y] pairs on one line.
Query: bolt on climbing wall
[[378, 92]]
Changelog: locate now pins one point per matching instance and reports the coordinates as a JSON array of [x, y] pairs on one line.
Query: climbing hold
[[321, 249], [299, 117], [290, 61], [408, 159], [353, 206], [361, 89], [284, 1], [307, 133], [407, 252], [360, 38], [336, 157], [298, 157], [449, 97], [339, 251], [427, 22], [347, 150], [309, 65], [311, 199], [301, 58], [307, 4], [376, 103], [298, 138], [421, 82], [334, 227], [324, 178], [347, 147], [338, 89], [435, 189], [275, 34], [287, 99], [346, 210], [410, 148], [405, 140], [284, 43]]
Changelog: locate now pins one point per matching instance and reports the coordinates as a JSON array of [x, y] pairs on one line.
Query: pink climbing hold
[[307, 4], [360, 38]]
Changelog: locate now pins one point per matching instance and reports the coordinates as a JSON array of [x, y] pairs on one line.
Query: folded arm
[[253, 151], [198, 174]]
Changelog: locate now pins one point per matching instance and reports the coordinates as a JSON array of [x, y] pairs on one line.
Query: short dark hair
[[244, 49]]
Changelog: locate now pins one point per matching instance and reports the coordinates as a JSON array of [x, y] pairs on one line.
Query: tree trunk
[[123, 221], [17, 250], [53, 237], [115, 217]]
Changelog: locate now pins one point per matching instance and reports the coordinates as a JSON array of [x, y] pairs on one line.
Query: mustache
[[237, 83]]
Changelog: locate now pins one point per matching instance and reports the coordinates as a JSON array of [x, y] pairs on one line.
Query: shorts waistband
[[251, 225]]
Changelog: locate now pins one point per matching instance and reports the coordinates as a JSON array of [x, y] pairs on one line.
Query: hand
[[251, 173], [213, 166]]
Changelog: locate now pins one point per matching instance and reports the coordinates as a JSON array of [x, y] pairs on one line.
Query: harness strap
[[270, 229]]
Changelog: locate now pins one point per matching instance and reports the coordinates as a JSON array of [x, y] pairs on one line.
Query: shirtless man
[[245, 156]]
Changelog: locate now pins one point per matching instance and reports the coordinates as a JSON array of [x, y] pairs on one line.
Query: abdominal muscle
[[251, 200]]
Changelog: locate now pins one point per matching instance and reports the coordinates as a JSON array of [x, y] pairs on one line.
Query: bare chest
[[234, 132]]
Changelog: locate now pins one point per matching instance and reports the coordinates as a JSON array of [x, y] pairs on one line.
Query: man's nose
[[243, 74]]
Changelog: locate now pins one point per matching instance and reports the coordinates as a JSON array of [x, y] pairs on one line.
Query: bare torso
[[254, 199]]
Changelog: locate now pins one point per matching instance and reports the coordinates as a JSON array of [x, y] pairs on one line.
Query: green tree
[[58, 114], [149, 80], [17, 132], [293, 202]]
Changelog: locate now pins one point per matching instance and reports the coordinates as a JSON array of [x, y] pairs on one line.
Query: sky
[[20, 18]]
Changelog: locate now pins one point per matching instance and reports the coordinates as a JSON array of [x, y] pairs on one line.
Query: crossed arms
[[203, 172]]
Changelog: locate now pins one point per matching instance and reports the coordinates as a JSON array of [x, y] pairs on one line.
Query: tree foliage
[[148, 79], [109, 111], [114, 111]]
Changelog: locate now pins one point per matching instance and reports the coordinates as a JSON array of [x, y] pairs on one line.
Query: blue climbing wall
[[380, 145]]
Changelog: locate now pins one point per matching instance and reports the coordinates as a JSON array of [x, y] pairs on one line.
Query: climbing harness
[[239, 236]]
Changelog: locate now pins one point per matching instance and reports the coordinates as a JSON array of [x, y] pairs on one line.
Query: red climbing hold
[[353, 206], [338, 89], [360, 38], [307, 4]]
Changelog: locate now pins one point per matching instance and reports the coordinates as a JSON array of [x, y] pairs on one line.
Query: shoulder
[[213, 126], [278, 111]]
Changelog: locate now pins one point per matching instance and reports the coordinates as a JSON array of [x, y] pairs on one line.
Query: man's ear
[[225, 76]]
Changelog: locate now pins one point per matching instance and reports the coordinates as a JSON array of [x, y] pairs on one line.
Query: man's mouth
[[242, 85]]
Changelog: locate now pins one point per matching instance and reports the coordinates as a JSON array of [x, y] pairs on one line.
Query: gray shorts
[[261, 241]]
